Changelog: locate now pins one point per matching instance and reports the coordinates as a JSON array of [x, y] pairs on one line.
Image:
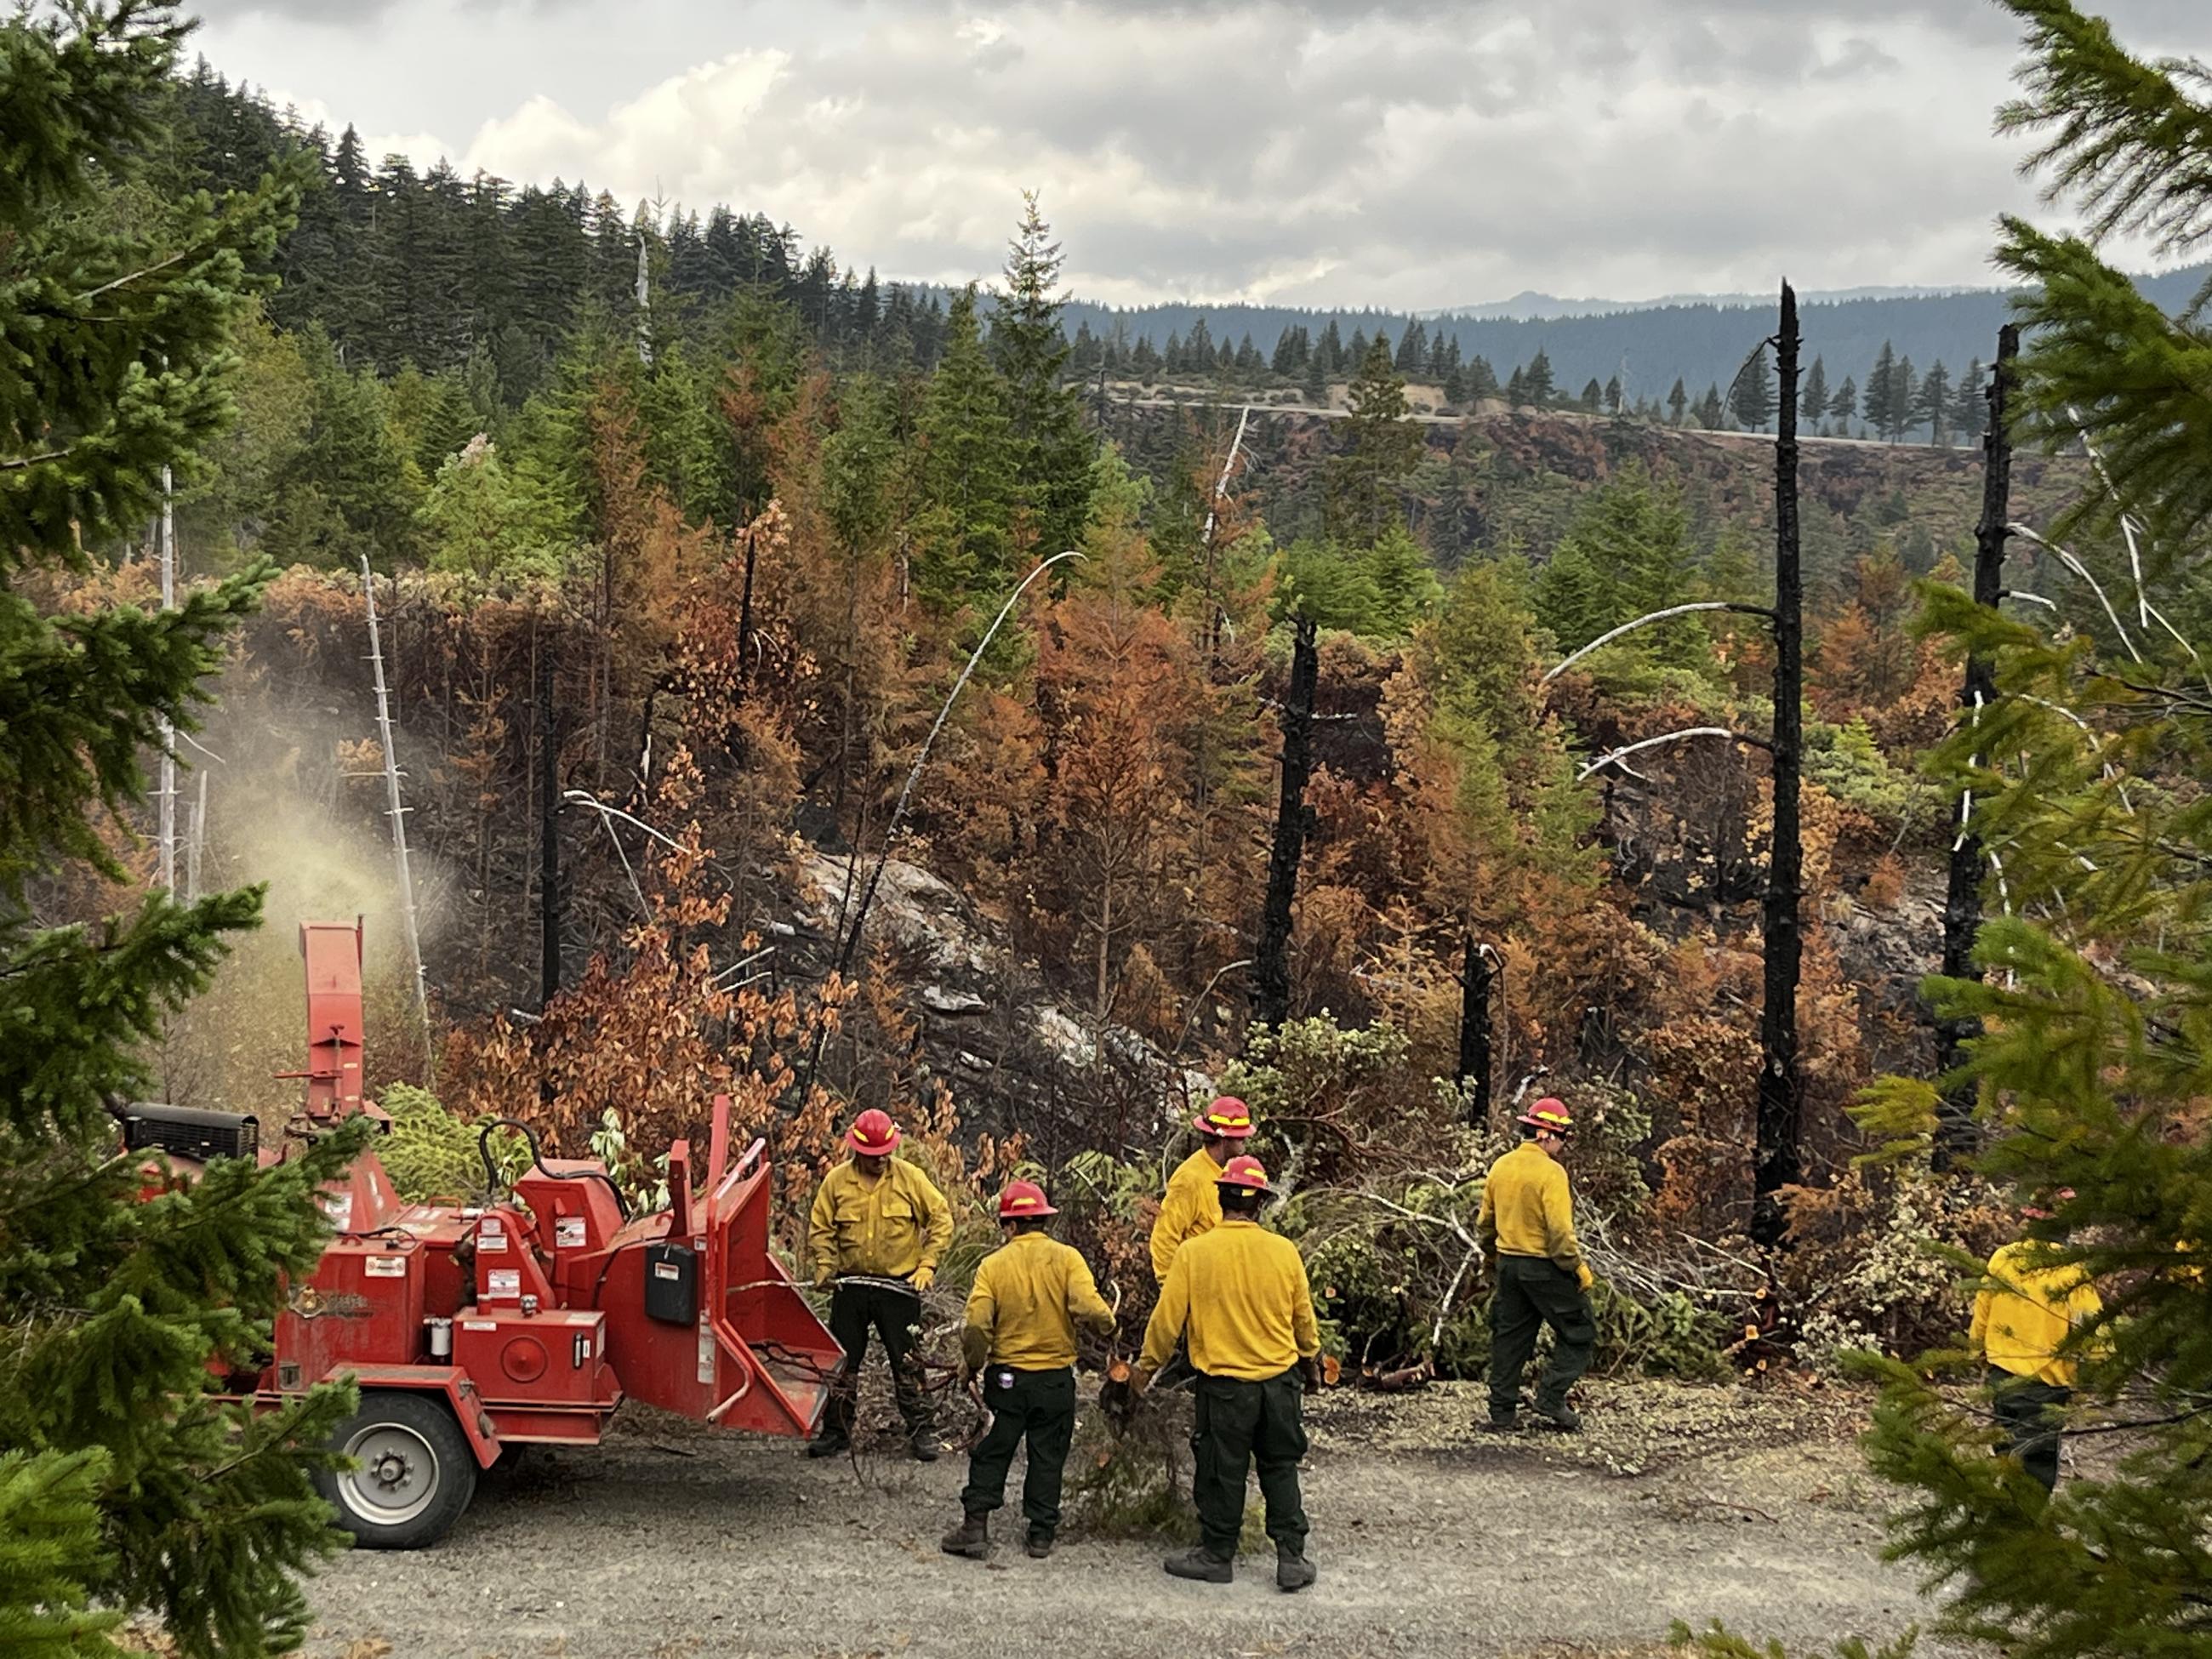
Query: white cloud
[[1418, 154]]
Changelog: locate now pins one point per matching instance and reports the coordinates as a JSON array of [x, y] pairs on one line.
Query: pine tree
[[1538, 380], [1053, 451], [1481, 379], [2130, 135], [1845, 408], [1711, 412], [1383, 445], [1593, 397], [1613, 395], [1413, 352], [1970, 408], [1881, 399], [1677, 401], [1328, 351], [1814, 406], [1751, 398], [965, 484], [123, 1483], [1905, 396], [1931, 405]]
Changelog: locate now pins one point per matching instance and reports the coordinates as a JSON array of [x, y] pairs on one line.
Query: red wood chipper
[[525, 1320]]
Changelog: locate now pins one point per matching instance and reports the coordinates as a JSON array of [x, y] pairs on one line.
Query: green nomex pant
[[2029, 1410], [895, 1315], [1240, 1422], [1036, 1406], [1532, 1292]]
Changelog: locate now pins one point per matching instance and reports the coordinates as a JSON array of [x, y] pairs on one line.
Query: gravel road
[[1681, 1503]]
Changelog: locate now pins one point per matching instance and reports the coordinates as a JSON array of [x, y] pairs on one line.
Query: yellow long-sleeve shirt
[[888, 1226], [1028, 1296], [1241, 1294], [2024, 1314], [1191, 1206], [1528, 1209]]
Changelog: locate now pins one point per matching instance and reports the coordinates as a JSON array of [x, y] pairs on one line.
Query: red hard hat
[[1244, 1172], [1022, 1200], [873, 1132], [1549, 1113], [1228, 1117]]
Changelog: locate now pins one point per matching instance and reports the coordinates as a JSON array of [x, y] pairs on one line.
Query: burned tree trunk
[[549, 828], [1780, 1086], [1272, 969], [1478, 971], [1962, 899]]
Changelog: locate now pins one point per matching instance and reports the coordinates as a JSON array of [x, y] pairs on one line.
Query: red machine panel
[[363, 1307], [555, 1358]]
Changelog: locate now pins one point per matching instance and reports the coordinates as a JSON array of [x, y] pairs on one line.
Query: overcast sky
[[1406, 153]]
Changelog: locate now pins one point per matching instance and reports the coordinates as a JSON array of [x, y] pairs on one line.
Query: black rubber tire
[[418, 1472]]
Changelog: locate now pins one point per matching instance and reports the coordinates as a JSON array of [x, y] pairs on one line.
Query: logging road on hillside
[[1430, 417], [1682, 1502]]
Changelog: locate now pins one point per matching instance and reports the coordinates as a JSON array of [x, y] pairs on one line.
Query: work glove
[[1584, 1276], [1139, 1380], [922, 1278], [1309, 1372]]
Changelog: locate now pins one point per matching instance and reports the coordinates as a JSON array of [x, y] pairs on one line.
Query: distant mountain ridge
[[1702, 341], [1528, 305]]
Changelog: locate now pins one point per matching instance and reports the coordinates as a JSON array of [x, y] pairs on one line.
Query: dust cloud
[[294, 800]]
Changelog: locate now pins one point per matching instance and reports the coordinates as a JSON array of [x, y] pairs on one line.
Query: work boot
[[1038, 1544], [1562, 1417], [922, 1448], [1292, 1571], [1201, 1564], [827, 1445], [1506, 1421], [971, 1538]]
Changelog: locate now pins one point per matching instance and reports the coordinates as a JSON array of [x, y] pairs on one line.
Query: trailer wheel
[[415, 1473]]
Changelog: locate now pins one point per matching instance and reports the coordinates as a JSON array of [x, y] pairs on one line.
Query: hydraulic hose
[[492, 1182]]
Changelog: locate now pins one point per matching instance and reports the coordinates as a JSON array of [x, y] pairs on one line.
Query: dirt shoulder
[[1431, 1537]]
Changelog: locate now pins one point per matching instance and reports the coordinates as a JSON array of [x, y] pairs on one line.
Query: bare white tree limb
[[2082, 570], [1604, 761], [1656, 616]]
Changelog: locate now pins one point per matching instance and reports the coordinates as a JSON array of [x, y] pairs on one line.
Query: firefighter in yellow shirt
[[1240, 1294], [877, 1230], [2025, 1316], [1189, 1206], [1526, 1230], [1029, 1297]]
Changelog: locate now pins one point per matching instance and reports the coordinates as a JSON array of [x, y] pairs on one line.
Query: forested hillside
[[675, 522], [713, 672]]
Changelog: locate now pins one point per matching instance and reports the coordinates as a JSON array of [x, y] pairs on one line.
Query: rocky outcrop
[[989, 1026]]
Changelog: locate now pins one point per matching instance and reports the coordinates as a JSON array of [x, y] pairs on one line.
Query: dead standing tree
[[1271, 971], [1781, 1081], [1775, 1161], [1962, 900]]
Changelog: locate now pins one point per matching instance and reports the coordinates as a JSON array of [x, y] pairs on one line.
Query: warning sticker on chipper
[[503, 1281], [479, 1325], [491, 1244], [568, 1233], [666, 1270], [387, 1267]]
